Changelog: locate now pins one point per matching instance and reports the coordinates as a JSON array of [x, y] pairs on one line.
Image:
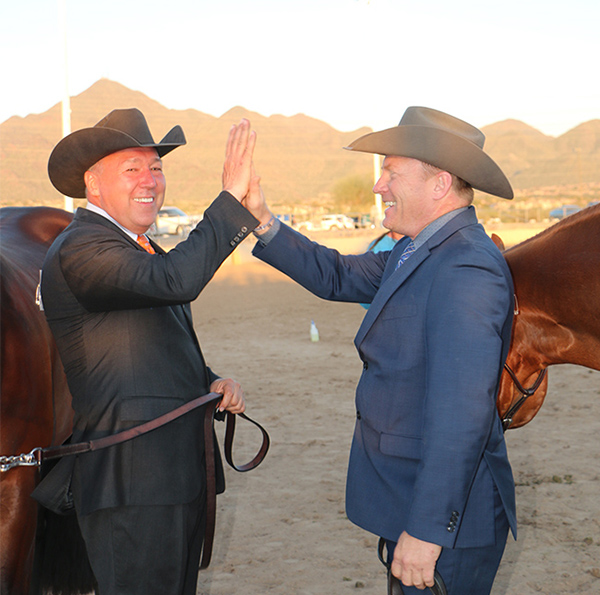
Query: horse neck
[[558, 291]]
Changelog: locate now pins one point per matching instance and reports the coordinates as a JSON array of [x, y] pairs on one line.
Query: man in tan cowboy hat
[[119, 308], [428, 468]]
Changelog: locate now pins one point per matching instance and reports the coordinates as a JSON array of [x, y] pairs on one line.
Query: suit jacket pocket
[[406, 447], [399, 311]]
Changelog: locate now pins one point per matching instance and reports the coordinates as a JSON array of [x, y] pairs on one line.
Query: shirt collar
[[100, 211], [437, 224]]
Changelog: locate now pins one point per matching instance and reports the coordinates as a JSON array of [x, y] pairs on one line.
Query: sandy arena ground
[[282, 528]]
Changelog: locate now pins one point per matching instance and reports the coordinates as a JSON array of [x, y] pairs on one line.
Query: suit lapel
[[183, 313], [389, 287], [392, 279]]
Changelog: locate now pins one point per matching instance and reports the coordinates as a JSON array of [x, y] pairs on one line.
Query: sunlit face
[[130, 186], [404, 187]]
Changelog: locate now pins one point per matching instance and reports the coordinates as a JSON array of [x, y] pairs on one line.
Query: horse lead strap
[[54, 452]]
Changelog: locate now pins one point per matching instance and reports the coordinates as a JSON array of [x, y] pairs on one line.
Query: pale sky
[[350, 63]]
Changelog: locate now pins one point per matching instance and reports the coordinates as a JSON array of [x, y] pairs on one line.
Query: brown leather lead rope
[[229, 433], [211, 489], [54, 452], [211, 482]]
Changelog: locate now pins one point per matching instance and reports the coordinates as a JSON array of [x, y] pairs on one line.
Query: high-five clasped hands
[[239, 176], [238, 167]]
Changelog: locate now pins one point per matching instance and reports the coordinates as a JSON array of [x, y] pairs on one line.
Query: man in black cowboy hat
[[428, 468], [119, 308]]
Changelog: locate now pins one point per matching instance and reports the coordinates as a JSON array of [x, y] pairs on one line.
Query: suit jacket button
[[358, 415], [365, 365], [232, 243], [244, 229]]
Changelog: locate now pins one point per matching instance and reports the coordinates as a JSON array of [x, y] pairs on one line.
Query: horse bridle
[[508, 417], [525, 392]]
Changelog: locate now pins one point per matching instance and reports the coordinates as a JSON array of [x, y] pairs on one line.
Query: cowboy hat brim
[[76, 153], [441, 148]]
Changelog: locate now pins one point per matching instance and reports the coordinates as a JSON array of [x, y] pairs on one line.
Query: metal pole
[[66, 102], [378, 203]]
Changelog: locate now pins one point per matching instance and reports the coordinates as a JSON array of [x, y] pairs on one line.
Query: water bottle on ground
[[314, 332]]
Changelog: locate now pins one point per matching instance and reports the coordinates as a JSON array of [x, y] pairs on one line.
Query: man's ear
[[91, 183], [442, 184]]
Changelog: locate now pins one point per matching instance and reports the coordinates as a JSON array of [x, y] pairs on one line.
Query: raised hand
[[237, 169], [255, 202]]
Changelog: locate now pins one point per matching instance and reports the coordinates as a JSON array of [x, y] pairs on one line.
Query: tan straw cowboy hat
[[120, 129], [441, 140]]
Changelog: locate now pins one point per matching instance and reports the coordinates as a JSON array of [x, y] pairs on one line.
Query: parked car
[[362, 221], [329, 222], [325, 223], [564, 211], [172, 221]]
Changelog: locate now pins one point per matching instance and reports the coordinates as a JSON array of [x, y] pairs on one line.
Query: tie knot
[[145, 244]]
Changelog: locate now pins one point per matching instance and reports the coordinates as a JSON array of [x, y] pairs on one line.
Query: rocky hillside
[[299, 158]]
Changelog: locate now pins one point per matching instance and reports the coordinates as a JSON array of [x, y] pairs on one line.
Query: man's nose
[[148, 180], [379, 186]]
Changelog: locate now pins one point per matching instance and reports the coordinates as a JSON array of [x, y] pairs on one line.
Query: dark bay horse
[[35, 405], [557, 312]]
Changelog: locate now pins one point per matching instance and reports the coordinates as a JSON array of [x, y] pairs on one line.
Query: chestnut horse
[[35, 409], [557, 309]]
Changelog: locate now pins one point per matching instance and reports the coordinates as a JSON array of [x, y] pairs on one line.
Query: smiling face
[[405, 188], [129, 185]]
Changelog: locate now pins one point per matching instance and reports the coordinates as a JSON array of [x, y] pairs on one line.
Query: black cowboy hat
[[120, 129], [441, 140]]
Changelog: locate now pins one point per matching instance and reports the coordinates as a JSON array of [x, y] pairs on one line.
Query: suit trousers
[[146, 550], [468, 571]]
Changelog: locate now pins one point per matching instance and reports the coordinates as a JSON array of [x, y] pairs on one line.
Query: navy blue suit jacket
[[428, 451]]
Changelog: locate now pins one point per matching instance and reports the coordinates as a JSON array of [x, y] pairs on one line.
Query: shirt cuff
[[265, 238]]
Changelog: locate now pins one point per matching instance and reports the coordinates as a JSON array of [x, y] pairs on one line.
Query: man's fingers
[[237, 141]]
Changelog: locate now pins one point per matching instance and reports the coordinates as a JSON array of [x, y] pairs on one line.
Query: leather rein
[[525, 392], [508, 417], [38, 455]]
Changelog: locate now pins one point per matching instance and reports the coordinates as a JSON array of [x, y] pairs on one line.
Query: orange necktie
[[145, 244]]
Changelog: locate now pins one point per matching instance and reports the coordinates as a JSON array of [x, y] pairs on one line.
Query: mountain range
[[299, 158]]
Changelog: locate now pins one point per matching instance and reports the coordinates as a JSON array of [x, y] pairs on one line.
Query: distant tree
[[353, 193]]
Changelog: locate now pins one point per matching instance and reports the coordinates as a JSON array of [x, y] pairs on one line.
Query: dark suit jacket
[[122, 322], [428, 449]]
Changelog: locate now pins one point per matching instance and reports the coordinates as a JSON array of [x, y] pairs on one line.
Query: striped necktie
[[145, 244], [404, 256]]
